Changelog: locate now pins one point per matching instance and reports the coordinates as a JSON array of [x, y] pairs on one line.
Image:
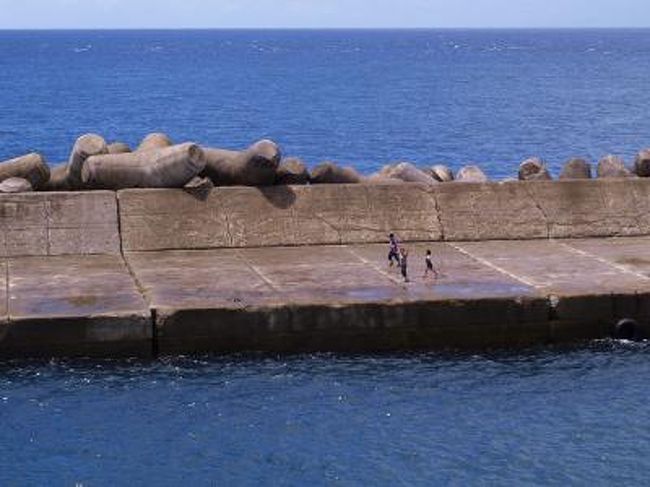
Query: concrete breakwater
[[303, 268], [159, 163]]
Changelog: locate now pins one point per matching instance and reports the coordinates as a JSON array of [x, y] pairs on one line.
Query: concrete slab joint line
[[6, 262], [487, 263], [229, 233], [258, 272], [441, 225], [330, 225], [602, 260], [118, 219], [138, 285], [533, 198], [3, 229], [374, 266], [48, 226]]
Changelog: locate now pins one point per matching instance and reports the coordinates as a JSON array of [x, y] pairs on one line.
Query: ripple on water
[[542, 416]]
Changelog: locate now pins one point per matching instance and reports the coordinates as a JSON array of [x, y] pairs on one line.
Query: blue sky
[[322, 13]]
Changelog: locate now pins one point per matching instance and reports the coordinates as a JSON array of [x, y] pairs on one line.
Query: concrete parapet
[[276, 216], [239, 217], [545, 209], [603, 208], [489, 211], [58, 224], [335, 214]]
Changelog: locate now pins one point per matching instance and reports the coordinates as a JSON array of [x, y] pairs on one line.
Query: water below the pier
[[363, 98], [550, 416]]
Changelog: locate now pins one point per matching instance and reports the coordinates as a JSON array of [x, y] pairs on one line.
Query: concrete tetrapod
[[171, 167], [407, 172], [255, 166], [441, 173], [471, 174], [292, 171], [576, 169], [155, 141], [642, 163], [118, 148], [31, 167], [379, 180], [612, 167], [331, 173], [86, 146], [533, 169], [58, 179], [15, 185]]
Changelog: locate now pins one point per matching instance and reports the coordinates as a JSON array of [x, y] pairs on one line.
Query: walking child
[[393, 252], [430, 269], [404, 264]]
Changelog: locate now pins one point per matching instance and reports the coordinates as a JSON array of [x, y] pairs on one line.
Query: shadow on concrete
[[282, 197]]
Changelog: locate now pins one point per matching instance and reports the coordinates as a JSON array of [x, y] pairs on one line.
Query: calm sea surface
[[548, 417], [359, 97], [560, 417]]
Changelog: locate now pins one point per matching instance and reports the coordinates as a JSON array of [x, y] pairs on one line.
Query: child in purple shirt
[[393, 252]]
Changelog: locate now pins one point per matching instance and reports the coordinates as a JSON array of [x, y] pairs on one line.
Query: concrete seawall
[[303, 268], [346, 214]]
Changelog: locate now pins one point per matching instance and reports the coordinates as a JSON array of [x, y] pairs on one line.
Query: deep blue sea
[[541, 417], [363, 98], [545, 417]]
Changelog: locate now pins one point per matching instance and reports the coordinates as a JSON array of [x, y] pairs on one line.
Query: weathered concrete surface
[[489, 211], [87, 223], [323, 298], [3, 294], [346, 298], [554, 267], [58, 224], [630, 254], [544, 209], [296, 268], [275, 216], [73, 305], [330, 298], [588, 294], [577, 209]]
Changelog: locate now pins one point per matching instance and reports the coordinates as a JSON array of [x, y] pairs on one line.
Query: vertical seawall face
[[276, 216], [38, 224], [599, 208], [478, 211], [549, 209], [353, 214]]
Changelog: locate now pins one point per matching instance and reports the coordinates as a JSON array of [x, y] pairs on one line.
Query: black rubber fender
[[627, 329]]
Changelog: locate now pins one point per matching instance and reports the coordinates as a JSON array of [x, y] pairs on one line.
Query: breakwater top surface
[[363, 98], [547, 416]]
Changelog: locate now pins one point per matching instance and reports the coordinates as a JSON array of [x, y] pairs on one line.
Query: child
[[393, 252], [429, 263], [404, 264]]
